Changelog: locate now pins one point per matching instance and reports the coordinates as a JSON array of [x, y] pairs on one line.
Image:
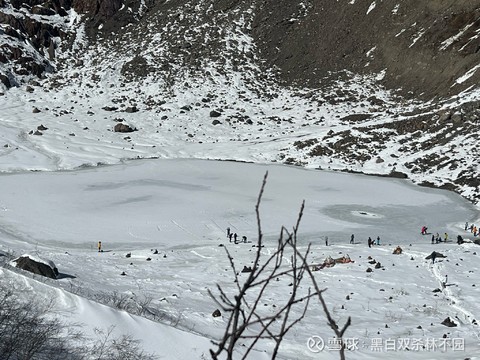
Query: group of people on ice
[[373, 242], [370, 241], [234, 236], [473, 229], [436, 238]]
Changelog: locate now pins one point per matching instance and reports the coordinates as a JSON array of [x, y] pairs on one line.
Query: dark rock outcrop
[[39, 267]]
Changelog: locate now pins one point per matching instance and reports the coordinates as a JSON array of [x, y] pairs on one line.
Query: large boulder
[[36, 265], [123, 128]]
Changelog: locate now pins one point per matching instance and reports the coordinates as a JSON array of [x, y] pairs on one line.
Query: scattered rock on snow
[[448, 322], [216, 313], [215, 113], [131, 109], [109, 108]]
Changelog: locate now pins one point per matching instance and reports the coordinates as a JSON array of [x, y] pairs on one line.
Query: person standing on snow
[[370, 242], [446, 237], [228, 232], [466, 226], [352, 239], [99, 246], [378, 240]]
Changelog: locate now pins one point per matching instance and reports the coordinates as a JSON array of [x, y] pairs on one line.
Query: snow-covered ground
[[85, 187], [182, 207]]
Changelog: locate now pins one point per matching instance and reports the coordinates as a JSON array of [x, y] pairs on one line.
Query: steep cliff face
[[423, 47], [31, 31]]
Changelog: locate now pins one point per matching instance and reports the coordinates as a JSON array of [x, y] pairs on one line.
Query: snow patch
[[445, 44], [371, 7], [467, 75]]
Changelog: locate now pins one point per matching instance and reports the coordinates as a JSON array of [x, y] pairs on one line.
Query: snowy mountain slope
[[90, 316], [192, 75], [182, 207]]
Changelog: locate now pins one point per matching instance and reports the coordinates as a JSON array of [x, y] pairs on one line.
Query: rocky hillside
[[380, 87]]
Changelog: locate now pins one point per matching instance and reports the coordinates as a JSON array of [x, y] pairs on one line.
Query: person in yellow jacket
[[99, 246]]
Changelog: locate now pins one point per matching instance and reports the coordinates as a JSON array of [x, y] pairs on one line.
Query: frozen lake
[[184, 203]]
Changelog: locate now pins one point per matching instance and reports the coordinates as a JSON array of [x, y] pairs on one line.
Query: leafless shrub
[[27, 331], [247, 323], [30, 329], [106, 347]]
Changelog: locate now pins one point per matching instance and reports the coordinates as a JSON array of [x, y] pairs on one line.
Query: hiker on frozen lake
[[352, 238]]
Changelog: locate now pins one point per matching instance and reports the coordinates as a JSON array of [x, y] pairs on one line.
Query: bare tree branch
[[246, 321]]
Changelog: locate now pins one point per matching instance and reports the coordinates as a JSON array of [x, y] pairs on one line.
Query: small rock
[[216, 313], [448, 322], [215, 113]]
